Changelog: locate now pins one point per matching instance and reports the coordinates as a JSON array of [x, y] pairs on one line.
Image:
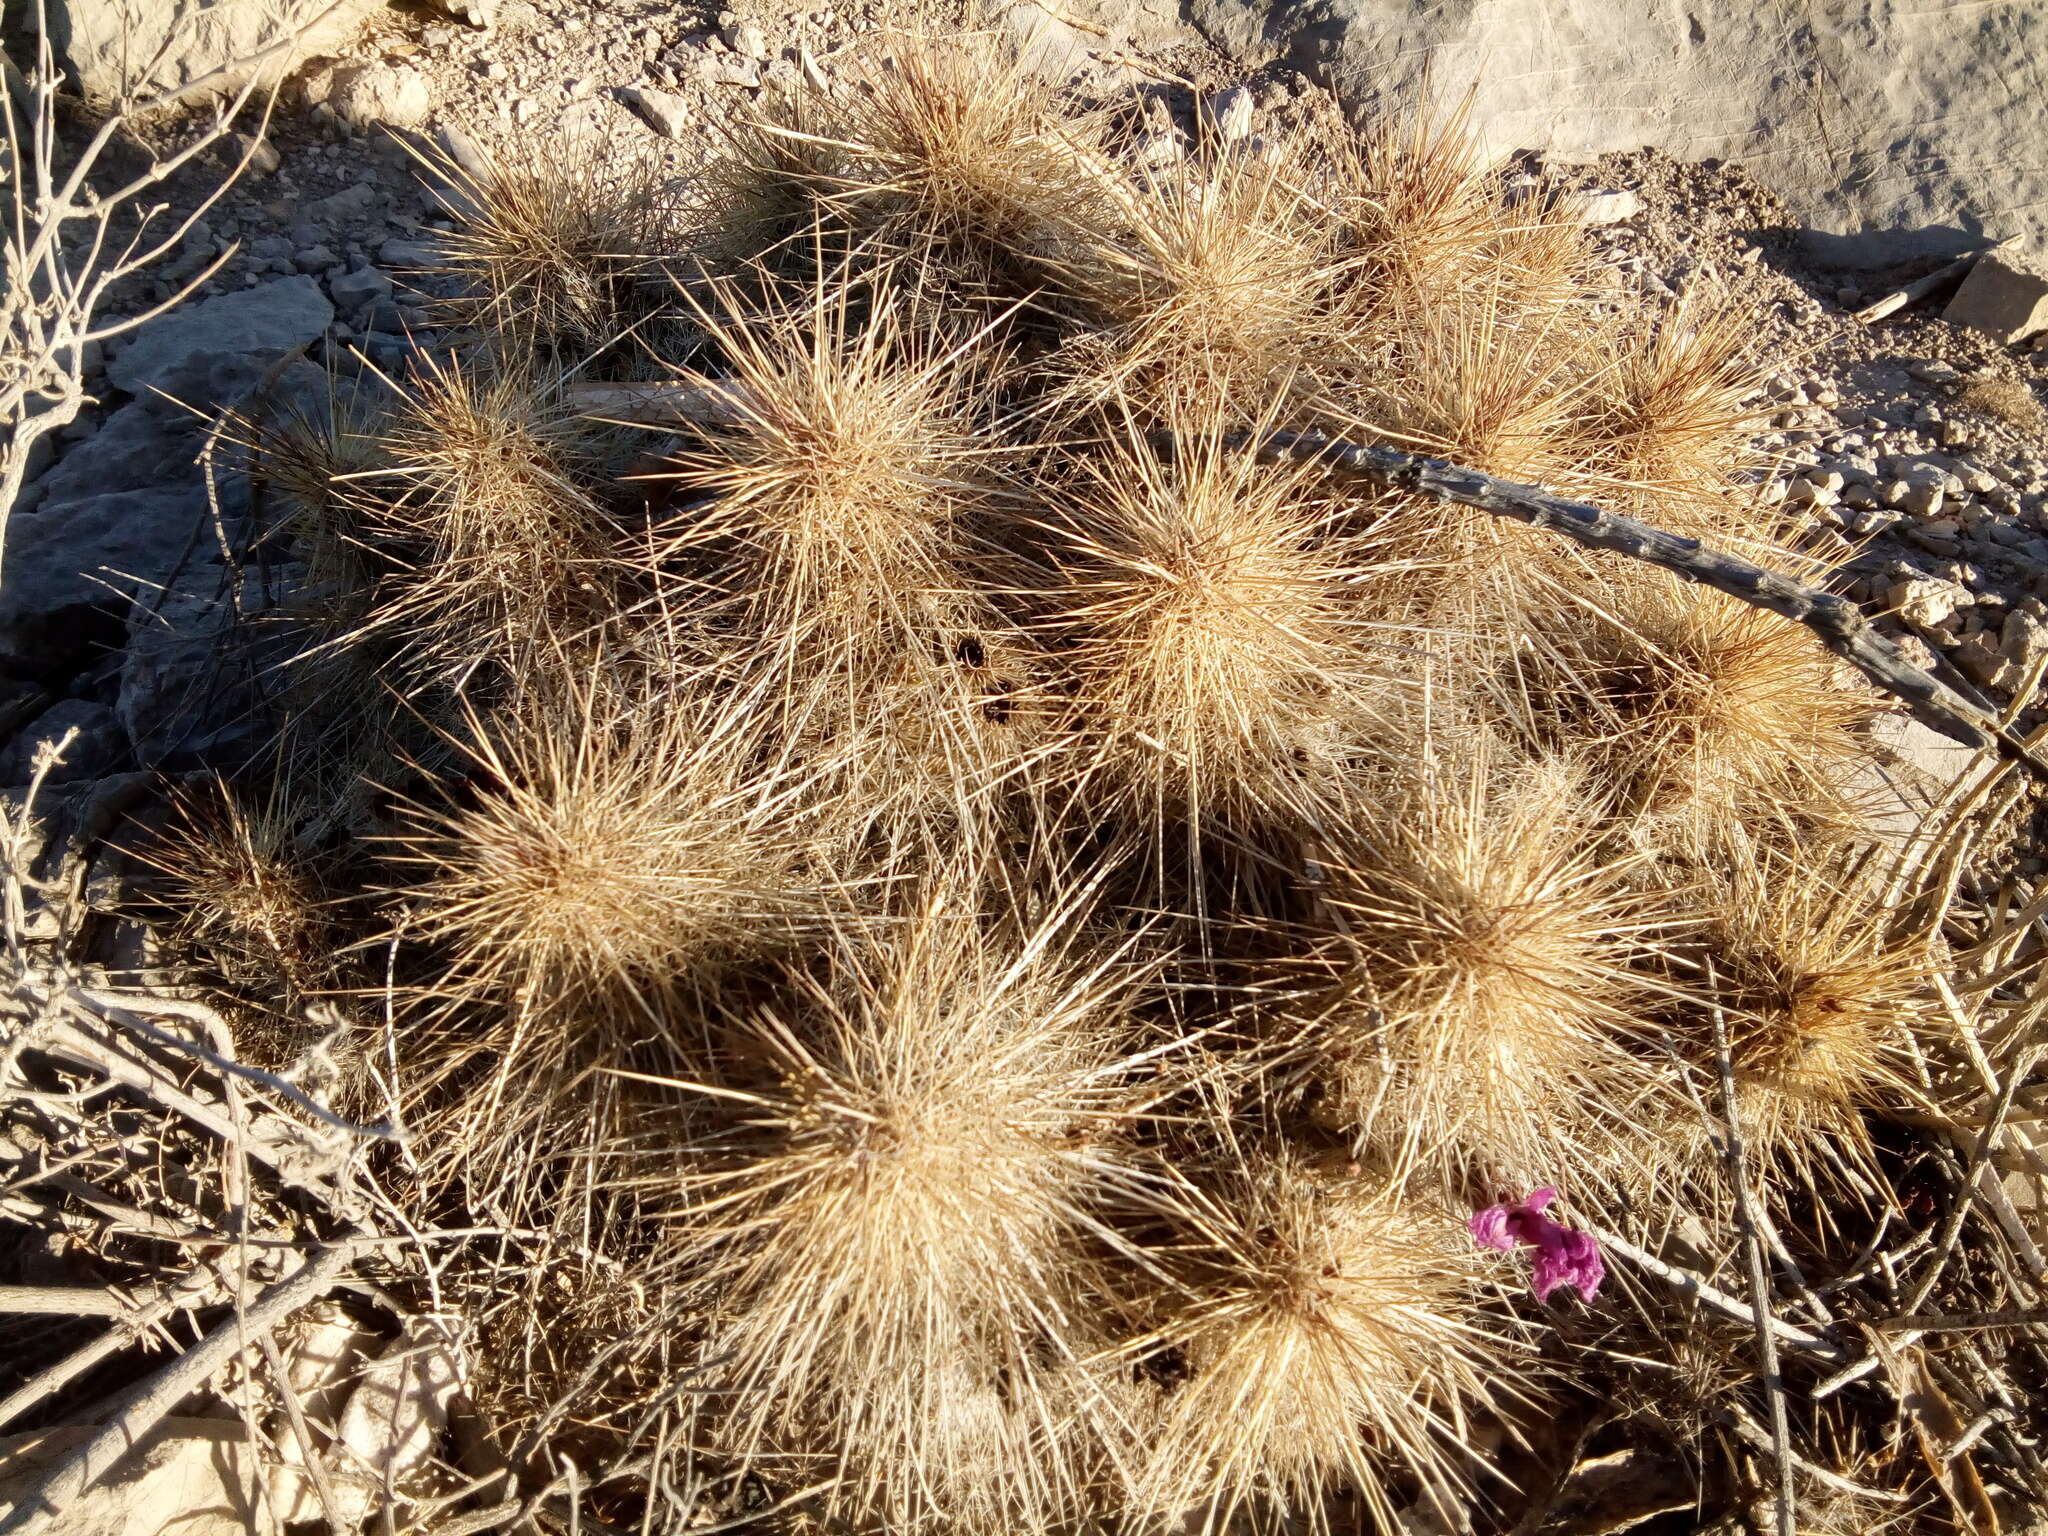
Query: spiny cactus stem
[[1838, 623]]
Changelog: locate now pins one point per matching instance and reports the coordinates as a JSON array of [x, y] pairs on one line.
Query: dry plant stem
[[61, 1038], [1952, 1227], [47, 313], [1689, 1284], [62, 1301], [198, 1288], [1759, 1281], [1755, 1434], [126, 1011], [135, 1415], [309, 1448], [1837, 621], [1962, 1322]]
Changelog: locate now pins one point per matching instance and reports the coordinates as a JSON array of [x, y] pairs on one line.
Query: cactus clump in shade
[[990, 943]]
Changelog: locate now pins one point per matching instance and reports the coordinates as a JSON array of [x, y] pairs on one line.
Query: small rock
[[105, 552], [1929, 538], [1229, 115], [387, 314], [1925, 751], [356, 198], [583, 120], [198, 1477], [2005, 297], [1870, 521], [1609, 206], [2023, 639], [668, 115], [272, 319], [95, 750], [380, 95], [314, 258], [462, 151], [1978, 659], [1046, 45], [745, 39], [261, 154], [1921, 498], [356, 291], [1805, 491], [1925, 603], [402, 255], [733, 72]]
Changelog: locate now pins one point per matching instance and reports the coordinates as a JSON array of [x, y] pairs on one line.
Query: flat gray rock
[[668, 115], [1892, 129], [189, 679], [101, 552], [256, 325]]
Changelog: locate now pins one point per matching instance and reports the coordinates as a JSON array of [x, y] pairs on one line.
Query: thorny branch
[[1839, 623]]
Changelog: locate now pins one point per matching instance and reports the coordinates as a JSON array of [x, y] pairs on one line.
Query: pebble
[[1811, 491], [1609, 206], [1978, 658], [1921, 498], [355, 291], [1944, 544], [2023, 639], [668, 115], [1925, 603], [1230, 114], [260, 153], [744, 38]]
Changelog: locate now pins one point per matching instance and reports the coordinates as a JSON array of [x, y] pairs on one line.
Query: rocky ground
[[1915, 451]]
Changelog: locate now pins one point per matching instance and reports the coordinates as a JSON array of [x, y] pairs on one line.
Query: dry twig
[[1759, 1278], [138, 1411]]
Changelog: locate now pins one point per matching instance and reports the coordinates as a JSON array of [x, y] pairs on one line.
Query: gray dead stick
[[1839, 623], [40, 1511], [1914, 292]]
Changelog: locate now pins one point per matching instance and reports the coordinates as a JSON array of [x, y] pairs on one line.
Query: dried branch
[[1839, 623], [60, 249], [197, 1288], [1759, 1278], [63, 1301], [137, 1412], [1686, 1283], [1915, 291]]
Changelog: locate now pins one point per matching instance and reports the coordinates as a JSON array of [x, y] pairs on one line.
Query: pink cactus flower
[[1564, 1256]]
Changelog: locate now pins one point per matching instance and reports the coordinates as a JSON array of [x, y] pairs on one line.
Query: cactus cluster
[[983, 945]]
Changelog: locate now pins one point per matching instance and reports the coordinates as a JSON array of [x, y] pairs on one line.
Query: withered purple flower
[[1564, 1255]]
